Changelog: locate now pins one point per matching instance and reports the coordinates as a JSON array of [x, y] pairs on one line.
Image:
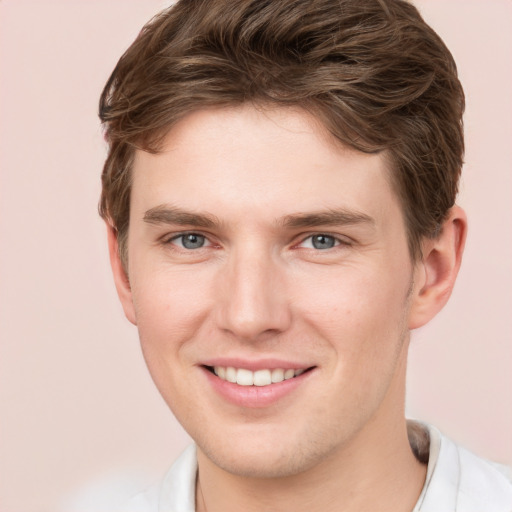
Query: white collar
[[457, 481]]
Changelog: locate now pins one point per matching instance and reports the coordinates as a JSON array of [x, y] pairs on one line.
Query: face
[[270, 280]]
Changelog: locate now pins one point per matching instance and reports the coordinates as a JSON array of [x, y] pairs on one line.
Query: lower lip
[[254, 396]]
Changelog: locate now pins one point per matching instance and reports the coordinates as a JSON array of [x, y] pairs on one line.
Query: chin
[[256, 465], [259, 456]]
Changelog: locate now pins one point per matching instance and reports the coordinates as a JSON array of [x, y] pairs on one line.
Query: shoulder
[[484, 485], [146, 501], [176, 492], [459, 481]]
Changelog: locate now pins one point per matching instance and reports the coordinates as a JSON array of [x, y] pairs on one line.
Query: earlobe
[[435, 275], [120, 277]]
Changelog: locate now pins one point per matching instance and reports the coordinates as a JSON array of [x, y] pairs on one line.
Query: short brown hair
[[371, 71]]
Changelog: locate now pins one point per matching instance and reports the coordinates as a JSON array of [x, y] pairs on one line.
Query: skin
[[258, 288]]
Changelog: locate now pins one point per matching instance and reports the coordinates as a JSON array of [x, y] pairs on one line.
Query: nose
[[252, 303]]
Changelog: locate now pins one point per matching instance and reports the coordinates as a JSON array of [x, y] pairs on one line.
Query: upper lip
[[256, 364]]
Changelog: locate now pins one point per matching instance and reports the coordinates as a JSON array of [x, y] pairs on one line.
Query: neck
[[377, 470]]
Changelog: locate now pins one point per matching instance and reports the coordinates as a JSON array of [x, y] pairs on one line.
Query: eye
[[320, 242], [190, 241]]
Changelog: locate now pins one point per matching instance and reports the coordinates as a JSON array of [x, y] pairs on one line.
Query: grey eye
[[323, 241], [191, 241]]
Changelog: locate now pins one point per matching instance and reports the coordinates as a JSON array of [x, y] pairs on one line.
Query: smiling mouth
[[265, 377]]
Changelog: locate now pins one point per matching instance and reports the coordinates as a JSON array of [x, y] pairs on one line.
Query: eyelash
[[181, 236], [337, 241]]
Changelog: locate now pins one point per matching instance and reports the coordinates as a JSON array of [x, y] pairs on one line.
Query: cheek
[[170, 307], [361, 314], [363, 321]]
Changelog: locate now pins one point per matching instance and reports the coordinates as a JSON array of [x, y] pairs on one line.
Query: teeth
[[262, 378], [244, 377], [265, 377], [277, 375], [230, 374], [288, 374]]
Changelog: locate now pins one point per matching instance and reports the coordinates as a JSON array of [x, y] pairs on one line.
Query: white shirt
[[457, 481]]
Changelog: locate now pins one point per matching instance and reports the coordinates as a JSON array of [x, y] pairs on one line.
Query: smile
[[266, 384], [264, 377]]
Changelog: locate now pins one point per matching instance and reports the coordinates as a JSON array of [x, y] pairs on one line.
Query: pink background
[[76, 401]]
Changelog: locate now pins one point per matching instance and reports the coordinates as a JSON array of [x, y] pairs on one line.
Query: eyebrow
[[166, 214], [331, 217]]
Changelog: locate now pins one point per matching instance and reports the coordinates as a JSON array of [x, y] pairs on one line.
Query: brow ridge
[[331, 217], [166, 214]]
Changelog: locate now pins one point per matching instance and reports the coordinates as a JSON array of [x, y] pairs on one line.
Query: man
[[280, 198]]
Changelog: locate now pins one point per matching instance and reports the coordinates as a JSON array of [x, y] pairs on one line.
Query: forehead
[[259, 160]]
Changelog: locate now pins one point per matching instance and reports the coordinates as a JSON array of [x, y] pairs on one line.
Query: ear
[[121, 280], [435, 274]]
